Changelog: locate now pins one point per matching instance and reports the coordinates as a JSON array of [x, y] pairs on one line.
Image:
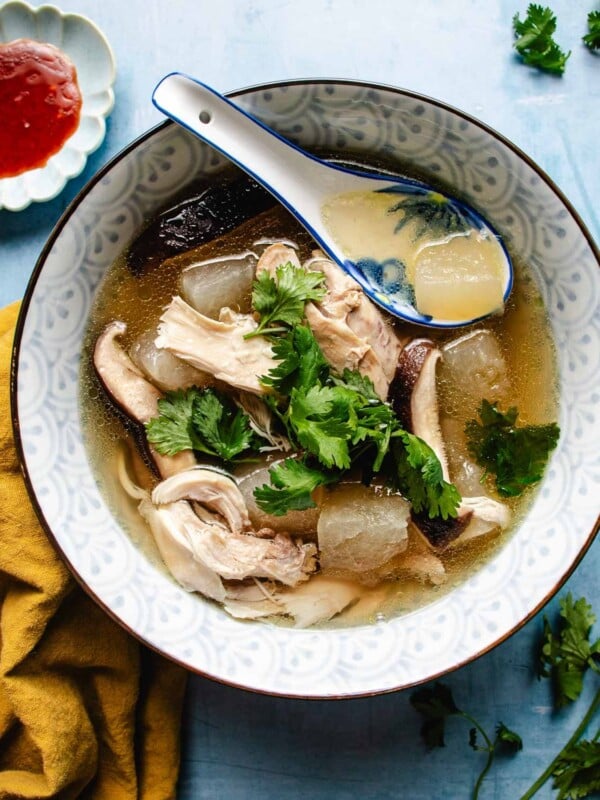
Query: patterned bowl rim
[[58, 228]]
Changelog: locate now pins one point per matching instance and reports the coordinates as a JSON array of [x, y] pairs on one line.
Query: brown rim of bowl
[[17, 345]]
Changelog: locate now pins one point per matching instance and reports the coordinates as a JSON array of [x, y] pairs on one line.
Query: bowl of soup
[[258, 472]]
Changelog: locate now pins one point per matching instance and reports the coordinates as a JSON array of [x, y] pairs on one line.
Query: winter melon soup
[[278, 445]]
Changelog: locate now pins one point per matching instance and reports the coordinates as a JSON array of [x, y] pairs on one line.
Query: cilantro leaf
[[420, 478], [282, 299], [321, 421], [301, 361], [202, 420], [592, 37], [577, 770], [567, 653], [435, 704], [292, 483], [223, 429], [516, 455], [361, 384], [534, 40], [511, 740], [172, 430]]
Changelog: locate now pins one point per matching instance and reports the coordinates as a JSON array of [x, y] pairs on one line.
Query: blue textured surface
[[238, 745]]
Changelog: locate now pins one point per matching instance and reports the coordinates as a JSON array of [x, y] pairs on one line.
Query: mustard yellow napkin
[[85, 710]]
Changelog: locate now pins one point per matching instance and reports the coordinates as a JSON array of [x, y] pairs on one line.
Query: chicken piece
[[274, 256], [224, 542], [262, 421], [308, 604], [213, 489], [350, 330], [173, 528], [217, 346]]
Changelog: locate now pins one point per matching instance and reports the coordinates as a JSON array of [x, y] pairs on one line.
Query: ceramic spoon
[[304, 184]]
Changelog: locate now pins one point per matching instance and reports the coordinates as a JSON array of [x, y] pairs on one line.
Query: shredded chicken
[[351, 331], [217, 346], [212, 489]]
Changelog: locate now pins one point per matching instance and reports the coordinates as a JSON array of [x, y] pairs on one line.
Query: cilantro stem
[[489, 748], [264, 332], [548, 772]]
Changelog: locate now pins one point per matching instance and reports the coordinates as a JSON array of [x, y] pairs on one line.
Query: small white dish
[[94, 61]]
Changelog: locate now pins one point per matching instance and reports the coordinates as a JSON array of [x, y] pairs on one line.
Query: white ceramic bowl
[[90, 52], [540, 225]]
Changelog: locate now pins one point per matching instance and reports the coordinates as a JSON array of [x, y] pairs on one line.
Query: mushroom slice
[[217, 346], [132, 392], [124, 382], [414, 396], [477, 516], [350, 330], [212, 489]]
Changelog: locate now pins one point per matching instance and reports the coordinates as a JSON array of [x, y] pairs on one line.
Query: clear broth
[[523, 332]]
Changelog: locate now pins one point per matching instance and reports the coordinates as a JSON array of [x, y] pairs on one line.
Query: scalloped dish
[[80, 52]]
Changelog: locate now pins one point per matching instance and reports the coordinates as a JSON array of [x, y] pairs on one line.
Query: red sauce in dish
[[40, 103]]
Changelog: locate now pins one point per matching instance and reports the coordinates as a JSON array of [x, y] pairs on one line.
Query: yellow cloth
[[85, 710]]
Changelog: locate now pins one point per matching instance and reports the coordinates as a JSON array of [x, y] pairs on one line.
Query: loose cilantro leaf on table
[[592, 37], [202, 420], [567, 653], [436, 704], [282, 299], [420, 478], [577, 770], [534, 40], [516, 455], [292, 483]]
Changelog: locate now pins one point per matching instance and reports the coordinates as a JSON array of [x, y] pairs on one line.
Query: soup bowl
[[348, 119]]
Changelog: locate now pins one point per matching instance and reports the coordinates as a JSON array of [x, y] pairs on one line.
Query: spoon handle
[[262, 153]]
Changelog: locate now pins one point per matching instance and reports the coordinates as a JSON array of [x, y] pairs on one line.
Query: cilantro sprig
[[203, 420], [339, 421], [592, 37], [567, 653], [436, 704], [516, 455], [281, 299], [534, 40], [292, 485]]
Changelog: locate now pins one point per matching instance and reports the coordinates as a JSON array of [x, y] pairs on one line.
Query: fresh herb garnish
[[516, 455], [301, 361], [436, 704], [203, 420], [339, 419], [420, 478], [282, 299], [576, 772], [292, 483], [592, 37], [534, 40], [568, 653]]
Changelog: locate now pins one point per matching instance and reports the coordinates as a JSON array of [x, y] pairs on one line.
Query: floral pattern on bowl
[[540, 225], [92, 56]]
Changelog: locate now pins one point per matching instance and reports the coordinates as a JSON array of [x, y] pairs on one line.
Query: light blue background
[[237, 745]]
